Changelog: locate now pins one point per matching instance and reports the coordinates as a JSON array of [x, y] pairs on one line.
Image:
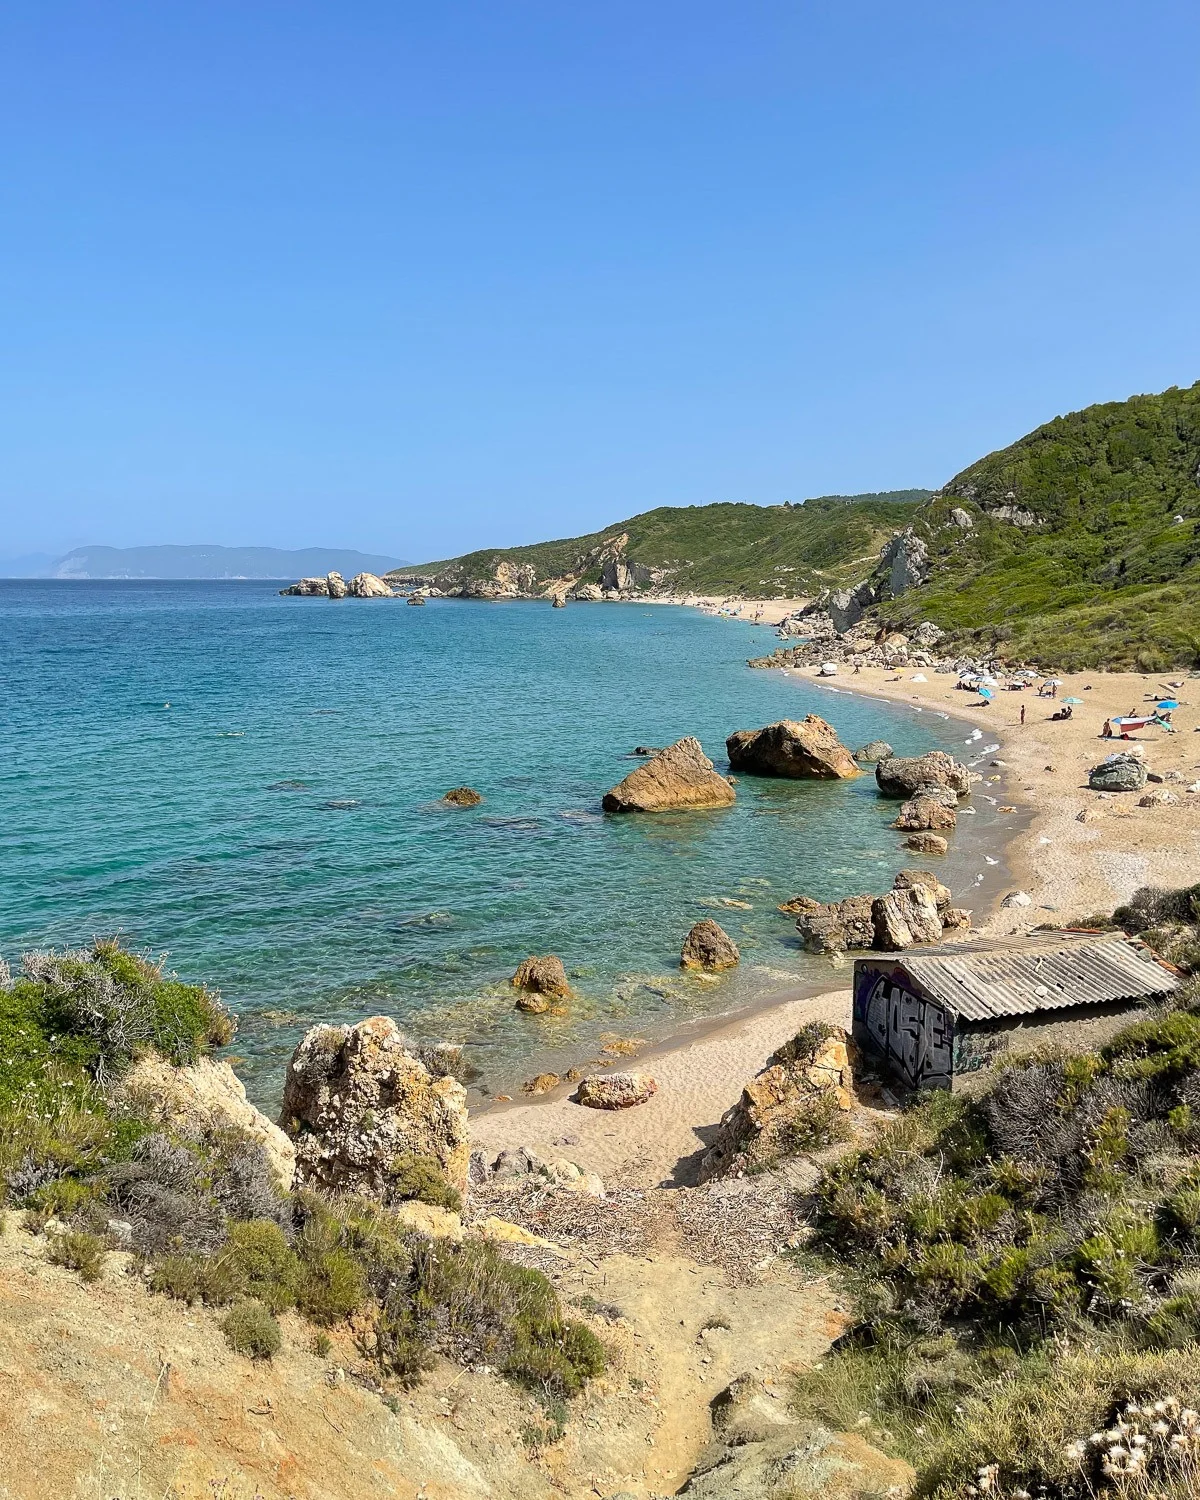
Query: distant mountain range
[[197, 562]]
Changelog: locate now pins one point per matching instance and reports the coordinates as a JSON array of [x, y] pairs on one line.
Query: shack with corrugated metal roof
[[934, 1016]]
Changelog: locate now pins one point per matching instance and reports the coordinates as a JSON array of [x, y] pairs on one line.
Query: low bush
[[421, 1177], [79, 1251], [250, 1329]]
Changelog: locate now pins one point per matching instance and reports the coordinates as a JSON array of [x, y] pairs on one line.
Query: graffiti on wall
[[916, 1037]]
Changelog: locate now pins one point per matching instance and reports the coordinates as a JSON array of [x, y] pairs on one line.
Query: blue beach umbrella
[[1167, 703], [985, 692], [1070, 700]]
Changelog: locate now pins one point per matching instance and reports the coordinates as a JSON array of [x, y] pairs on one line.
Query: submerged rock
[[927, 843], [906, 776], [355, 1099], [615, 1090], [708, 946], [679, 777], [800, 749]]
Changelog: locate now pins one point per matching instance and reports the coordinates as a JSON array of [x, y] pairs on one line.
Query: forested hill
[[751, 550], [1084, 542]]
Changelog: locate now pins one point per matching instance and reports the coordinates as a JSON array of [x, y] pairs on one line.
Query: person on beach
[[1022, 713]]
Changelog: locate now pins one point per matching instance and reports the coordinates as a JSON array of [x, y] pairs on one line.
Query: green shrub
[[420, 1177], [332, 1286], [250, 1329], [78, 1251], [258, 1263], [818, 1121]]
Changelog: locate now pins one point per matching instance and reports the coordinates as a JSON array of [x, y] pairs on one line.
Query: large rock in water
[[922, 813], [873, 752], [708, 946], [834, 926], [1118, 773], [906, 917], [368, 586], [817, 1061], [205, 1096], [804, 749], [543, 975], [355, 1098], [681, 776], [308, 586], [905, 776], [335, 585]]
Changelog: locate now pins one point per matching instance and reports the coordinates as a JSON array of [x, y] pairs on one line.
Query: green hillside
[[725, 549], [1107, 575]]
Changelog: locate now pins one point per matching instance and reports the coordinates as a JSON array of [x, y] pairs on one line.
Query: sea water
[[252, 785]]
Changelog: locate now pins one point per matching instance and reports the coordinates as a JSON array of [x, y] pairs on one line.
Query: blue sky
[[418, 278]]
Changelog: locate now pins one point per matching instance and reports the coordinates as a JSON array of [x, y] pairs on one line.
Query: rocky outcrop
[[809, 748], [463, 796], [623, 576], [615, 1090], [355, 1099], [708, 946], [834, 926], [203, 1097], [903, 565], [906, 917], [758, 1128], [543, 975], [916, 910], [873, 752], [335, 586], [308, 586], [907, 776], [797, 1459], [1123, 772], [680, 777], [587, 593], [368, 586]]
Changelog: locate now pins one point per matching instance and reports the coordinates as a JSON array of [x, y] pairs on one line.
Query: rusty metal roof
[[1051, 971]]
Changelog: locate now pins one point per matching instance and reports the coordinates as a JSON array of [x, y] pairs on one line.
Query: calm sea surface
[[252, 784]]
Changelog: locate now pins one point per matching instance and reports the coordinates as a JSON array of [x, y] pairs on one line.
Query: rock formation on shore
[[615, 1090], [334, 586], [777, 1104], [355, 1099], [916, 910], [708, 946], [679, 777], [808, 748]]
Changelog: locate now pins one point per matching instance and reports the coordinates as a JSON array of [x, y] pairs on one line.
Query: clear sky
[[415, 278]]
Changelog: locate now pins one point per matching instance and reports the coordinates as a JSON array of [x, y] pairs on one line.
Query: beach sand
[[1069, 868]]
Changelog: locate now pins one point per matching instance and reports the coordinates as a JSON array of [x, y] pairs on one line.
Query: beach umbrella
[[1071, 700], [1054, 682], [1167, 703]]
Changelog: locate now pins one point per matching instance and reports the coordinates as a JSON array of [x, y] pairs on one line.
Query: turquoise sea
[[252, 784]]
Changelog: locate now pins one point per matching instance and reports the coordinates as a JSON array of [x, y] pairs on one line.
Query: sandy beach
[[1069, 867]]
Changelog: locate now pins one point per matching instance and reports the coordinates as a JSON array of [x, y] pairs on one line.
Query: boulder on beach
[[1122, 772], [804, 749], [708, 946], [356, 1099], [921, 814], [817, 1065], [873, 752], [905, 776], [615, 1090], [463, 796], [927, 843], [542, 976], [679, 777]]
